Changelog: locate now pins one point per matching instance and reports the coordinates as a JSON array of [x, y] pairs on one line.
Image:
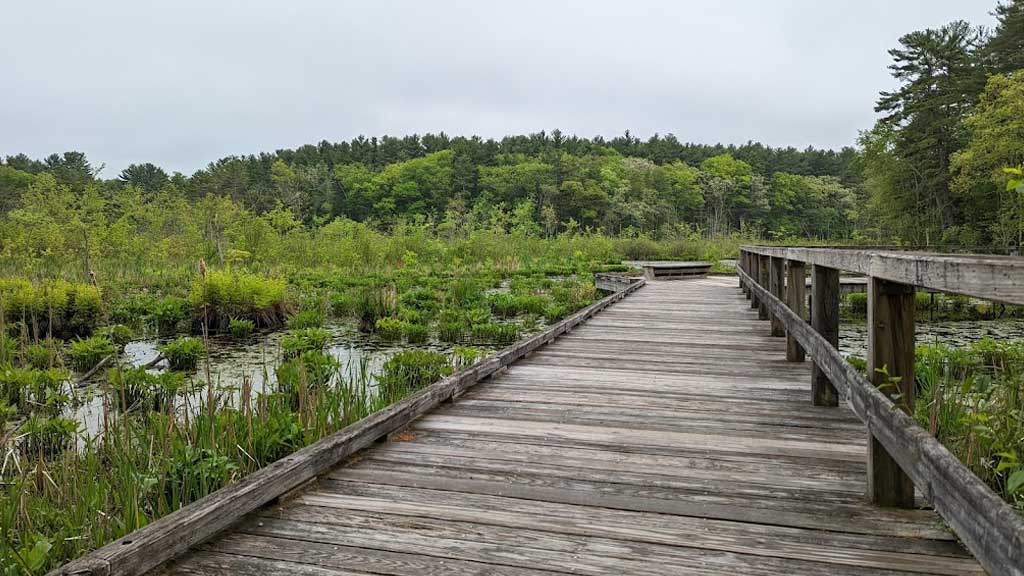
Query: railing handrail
[[988, 525], [987, 276]]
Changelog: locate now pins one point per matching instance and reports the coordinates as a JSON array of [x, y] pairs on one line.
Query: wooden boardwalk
[[666, 436]]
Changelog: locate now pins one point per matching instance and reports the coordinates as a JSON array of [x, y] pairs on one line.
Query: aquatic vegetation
[[46, 437], [55, 307], [222, 295], [138, 388], [373, 304], [118, 334], [411, 370], [497, 333], [88, 352], [390, 328], [43, 354], [972, 399], [171, 313], [296, 342], [241, 328], [306, 319], [184, 353], [416, 333]]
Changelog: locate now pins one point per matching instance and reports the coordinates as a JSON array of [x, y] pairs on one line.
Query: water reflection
[[233, 361], [853, 335]]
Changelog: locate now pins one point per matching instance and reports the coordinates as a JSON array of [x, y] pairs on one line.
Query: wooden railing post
[[740, 263], [763, 275], [796, 299], [753, 271], [777, 286], [825, 321], [891, 368]]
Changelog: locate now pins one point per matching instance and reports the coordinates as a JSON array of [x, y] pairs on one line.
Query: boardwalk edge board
[[170, 536], [989, 526]]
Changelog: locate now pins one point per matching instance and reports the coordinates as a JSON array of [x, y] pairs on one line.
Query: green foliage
[[138, 388], [88, 352], [297, 342], [411, 370], [241, 328], [46, 437], [306, 319], [971, 399], [59, 308], [495, 333], [373, 304], [225, 294], [184, 353]]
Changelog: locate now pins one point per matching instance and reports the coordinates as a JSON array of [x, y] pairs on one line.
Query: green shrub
[[8, 349], [296, 342], [342, 304], [87, 352], [857, 304], [58, 307], [241, 328], [184, 353], [133, 309], [555, 312]]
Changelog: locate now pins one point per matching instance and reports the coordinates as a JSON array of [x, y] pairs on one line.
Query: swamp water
[[254, 359], [853, 334]]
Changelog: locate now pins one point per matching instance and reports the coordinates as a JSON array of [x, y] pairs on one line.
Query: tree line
[[935, 164], [932, 171]]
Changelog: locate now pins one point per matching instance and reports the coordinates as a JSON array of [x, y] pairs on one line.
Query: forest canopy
[[933, 171]]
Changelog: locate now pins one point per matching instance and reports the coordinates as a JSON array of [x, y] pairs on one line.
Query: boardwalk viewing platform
[[666, 430]]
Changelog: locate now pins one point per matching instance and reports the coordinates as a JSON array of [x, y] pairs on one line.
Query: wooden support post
[[739, 264], [796, 299], [891, 368], [825, 321], [754, 271], [777, 286], [763, 275]]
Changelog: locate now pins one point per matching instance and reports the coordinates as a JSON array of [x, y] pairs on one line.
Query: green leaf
[[1016, 482]]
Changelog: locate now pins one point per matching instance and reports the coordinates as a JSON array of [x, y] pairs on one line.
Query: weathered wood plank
[[989, 526], [796, 299], [982, 276], [175, 533], [891, 366]]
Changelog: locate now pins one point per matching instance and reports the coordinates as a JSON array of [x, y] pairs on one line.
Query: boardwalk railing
[[901, 454], [170, 536]]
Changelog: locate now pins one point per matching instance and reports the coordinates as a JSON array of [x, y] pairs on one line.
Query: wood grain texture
[[990, 527], [983, 276], [668, 436], [179, 531]]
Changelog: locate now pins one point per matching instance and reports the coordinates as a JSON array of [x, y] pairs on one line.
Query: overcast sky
[[181, 83]]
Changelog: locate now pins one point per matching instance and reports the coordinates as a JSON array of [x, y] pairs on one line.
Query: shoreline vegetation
[[464, 241]]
